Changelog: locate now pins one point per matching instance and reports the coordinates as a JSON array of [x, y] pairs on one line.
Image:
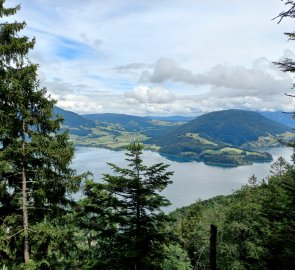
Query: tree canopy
[[35, 178]]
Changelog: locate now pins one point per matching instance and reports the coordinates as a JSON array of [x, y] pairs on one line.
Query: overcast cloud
[[160, 57]]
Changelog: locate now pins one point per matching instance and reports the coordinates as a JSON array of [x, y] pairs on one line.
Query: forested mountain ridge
[[223, 137], [75, 123], [231, 127], [253, 231], [113, 131]]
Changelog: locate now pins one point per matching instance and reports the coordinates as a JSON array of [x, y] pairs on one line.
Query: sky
[[160, 57]]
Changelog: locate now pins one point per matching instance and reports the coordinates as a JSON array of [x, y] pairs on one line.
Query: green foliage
[[255, 224], [279, 208], [244, 230], [175, 259], [35, 175], [123, 215]]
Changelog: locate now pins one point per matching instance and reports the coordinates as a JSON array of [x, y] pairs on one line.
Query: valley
[[225, 138]]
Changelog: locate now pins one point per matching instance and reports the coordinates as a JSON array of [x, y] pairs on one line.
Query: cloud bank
[[160, 57]]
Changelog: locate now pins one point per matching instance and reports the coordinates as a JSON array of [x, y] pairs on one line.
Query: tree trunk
[[24, 200], [138, 258], [213, 240]]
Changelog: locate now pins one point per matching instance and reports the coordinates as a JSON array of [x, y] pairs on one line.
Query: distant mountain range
[[285, 118], [224, 137], [175, 118]]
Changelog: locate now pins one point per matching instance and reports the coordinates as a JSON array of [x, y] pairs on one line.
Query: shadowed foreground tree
[[123, 215], [35, 177]]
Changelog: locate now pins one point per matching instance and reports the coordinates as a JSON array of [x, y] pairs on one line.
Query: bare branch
[[289, 13]]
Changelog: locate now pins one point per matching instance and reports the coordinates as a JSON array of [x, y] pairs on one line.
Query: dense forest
[[120, 222]]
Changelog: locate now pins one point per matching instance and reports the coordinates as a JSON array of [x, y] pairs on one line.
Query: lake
[[191, 180]]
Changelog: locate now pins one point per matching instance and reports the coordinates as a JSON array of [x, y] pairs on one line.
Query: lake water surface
[[191, 180]]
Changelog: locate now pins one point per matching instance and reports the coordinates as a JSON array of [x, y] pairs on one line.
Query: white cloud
[[260, 79], [145, 94], [92, 55]]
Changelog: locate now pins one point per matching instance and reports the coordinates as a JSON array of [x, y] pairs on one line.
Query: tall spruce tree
[[35, 177], [124, 215]]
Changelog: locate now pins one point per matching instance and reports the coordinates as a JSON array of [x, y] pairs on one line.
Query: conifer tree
[[35, 177], [125, 214]]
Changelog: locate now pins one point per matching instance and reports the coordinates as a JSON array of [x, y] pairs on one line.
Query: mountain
[[128, 122], [284, 118], [174, 118], [224, 136], [114, 131], [230, 127], [234, 127], [75, 123]]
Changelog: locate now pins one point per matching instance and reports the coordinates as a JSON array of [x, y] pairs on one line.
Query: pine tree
[[35, 177], [125, 214]]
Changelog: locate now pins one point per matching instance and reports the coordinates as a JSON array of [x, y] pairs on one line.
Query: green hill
[[113, 131], [224, 137], [232, 127], [75, 123], [127, 122]]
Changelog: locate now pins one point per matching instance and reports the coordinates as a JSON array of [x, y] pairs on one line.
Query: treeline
[[256, 224]]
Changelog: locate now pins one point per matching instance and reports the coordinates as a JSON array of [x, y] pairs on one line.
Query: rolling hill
[[114, 131], [231, 127], [75, 123], [127, 122], [223, 137]]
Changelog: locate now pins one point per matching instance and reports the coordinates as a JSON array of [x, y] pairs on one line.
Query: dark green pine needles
[[124, 214], [35, 177]]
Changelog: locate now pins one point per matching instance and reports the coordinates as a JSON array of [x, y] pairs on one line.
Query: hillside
[[126, 122], [75, 123], [224, 137], [286, 119], [174, 118], [113, 131], [231, 127]]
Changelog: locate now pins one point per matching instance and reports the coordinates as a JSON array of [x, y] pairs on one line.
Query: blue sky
[[160, 57]]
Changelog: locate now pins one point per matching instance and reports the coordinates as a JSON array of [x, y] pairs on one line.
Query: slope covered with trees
[[255, 224], [224, 137], [230, 127]]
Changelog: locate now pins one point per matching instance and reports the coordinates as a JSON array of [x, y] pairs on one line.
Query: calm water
[[191, 180]]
